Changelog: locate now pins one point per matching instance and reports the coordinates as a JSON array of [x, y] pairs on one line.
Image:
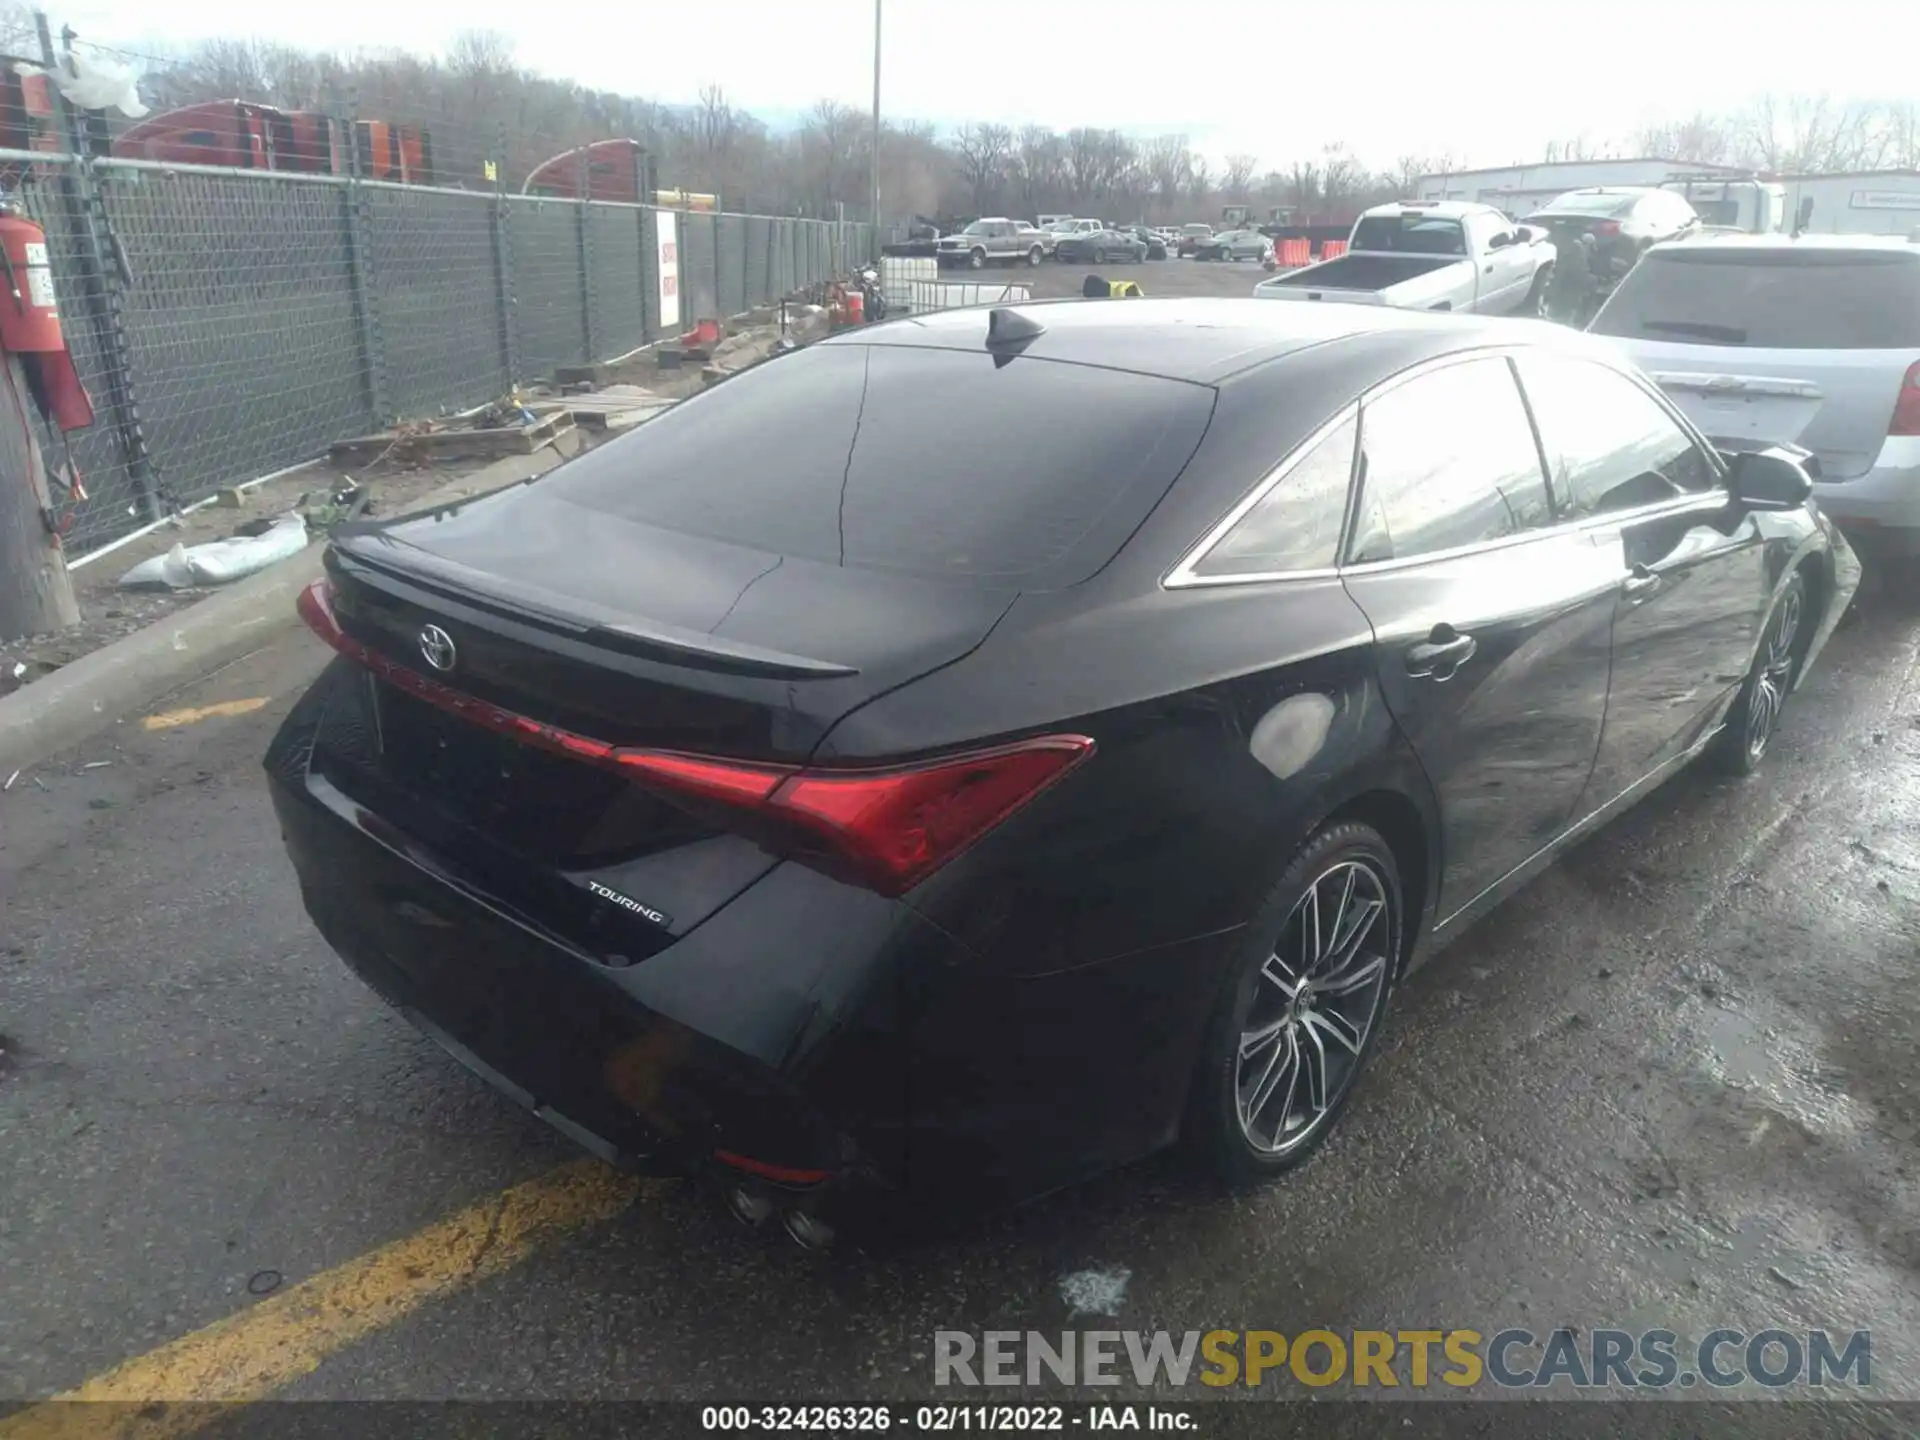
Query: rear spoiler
[[375, 550]]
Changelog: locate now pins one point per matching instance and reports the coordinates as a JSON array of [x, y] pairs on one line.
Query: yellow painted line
[[174, 719], [188, 1383]]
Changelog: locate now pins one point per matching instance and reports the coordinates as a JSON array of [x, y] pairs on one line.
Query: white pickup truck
[[1429, 255]]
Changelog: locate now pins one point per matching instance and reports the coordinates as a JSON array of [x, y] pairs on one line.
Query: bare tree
[[713, 122], [1199, 180], [1340, 174], [1303, 190], [1812, 134], [828, 142], [1167, 163], [981, 153], [1238, 175], [481, 55], [1701, 138], [1580, 147]]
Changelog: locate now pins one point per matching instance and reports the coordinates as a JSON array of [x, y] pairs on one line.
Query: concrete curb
[[95, 692]]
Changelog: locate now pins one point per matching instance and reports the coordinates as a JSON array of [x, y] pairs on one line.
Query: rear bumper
[[1881, 509], [660, 1067]]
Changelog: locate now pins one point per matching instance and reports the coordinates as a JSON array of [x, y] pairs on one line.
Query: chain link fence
[[230, 324]]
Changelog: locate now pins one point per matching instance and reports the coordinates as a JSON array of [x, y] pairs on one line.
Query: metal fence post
[[85, 215], [643, 192], [586, 258], [503, 264], [358, 232]]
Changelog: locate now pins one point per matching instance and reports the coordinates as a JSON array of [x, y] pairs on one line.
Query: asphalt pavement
[[1670, 1084]]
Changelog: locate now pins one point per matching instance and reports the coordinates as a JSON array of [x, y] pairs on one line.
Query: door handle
[[1489, 269], [1442, 654], [1642, 584]]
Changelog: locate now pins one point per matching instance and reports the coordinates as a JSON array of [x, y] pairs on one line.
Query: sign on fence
[[669, 242]]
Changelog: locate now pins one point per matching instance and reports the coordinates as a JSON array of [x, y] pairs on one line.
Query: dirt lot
[[1053, 281]]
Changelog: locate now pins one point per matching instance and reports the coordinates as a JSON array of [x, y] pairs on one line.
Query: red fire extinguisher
[[30, 323], [29, 316]]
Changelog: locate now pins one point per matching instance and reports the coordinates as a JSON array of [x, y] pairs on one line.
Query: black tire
[[1331, 1036], [1755, 715], [1099, 257], [1035, 255], [977, 260]]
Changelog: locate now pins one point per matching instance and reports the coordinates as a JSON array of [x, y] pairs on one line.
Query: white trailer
[[1872, 202]]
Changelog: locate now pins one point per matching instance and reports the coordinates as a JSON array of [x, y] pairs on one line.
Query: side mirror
[[1769, 480]]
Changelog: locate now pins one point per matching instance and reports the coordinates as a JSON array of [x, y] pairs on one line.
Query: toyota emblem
[[437, 646]]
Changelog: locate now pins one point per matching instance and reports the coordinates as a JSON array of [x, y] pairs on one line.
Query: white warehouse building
[[1520, 189]]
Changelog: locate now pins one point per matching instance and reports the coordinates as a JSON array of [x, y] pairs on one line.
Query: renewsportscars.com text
[[1459, 1359]]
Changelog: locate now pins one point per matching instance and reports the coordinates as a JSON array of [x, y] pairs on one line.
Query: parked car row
[[1002, 240]]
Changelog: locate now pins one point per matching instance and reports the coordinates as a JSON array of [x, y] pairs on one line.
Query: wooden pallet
[[617, 407], [490, 444]]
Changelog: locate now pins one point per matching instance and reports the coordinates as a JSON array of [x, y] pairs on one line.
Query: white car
[[1814, 341]]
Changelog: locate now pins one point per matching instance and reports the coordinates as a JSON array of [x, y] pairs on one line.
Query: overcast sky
[[1486, 81]]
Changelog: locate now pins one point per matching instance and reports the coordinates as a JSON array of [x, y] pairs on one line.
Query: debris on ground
[[507, 426], [220, 562], [616, 407]]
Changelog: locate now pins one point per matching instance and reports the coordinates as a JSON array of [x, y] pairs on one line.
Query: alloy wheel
[[1315, 1002], [1771, 680]]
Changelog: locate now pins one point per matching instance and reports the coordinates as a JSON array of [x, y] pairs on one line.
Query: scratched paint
[[1096, 1292], [174, 719], [181, 1386]]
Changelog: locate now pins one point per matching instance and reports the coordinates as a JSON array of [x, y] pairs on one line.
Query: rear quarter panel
[[1098, 924]]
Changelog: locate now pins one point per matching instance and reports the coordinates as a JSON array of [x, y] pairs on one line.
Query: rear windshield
[[1599, 206], [1806, 299], [1413, 234], [929, 462]]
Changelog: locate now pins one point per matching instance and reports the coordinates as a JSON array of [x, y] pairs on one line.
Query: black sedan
[[1101, 246], [823, 792], [1611, 227]]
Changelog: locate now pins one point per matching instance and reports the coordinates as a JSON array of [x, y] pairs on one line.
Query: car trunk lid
[[601, 678], [625, 637]]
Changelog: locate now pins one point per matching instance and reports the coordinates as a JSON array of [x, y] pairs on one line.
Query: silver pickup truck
[[1429, 255], [996, 240]]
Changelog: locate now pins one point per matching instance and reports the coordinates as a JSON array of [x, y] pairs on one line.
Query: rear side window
[[1296, 525], [929, 462], [1611, 445], [1449, 460], [1812, 298]]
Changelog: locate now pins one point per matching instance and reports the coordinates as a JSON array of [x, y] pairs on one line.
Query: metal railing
[[232, 323]]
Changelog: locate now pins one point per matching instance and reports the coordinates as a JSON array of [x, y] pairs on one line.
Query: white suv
[[1814, 340]]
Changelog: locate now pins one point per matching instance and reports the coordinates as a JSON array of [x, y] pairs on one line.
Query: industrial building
[[1869, 202], [1519, 189]]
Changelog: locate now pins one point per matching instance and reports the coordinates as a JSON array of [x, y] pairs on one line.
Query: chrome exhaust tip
[[748, 1208], [808, 1232]]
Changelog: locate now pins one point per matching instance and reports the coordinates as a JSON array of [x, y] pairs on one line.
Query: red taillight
[[1607, 227], [779, 1174], [1906, 409], [898, 826], [889, 829]]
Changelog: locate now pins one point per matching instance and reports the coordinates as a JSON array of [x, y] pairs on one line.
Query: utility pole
[[876, 127], [36, 593]]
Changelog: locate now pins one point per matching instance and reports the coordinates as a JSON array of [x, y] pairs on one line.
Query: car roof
[[1205, 341]]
